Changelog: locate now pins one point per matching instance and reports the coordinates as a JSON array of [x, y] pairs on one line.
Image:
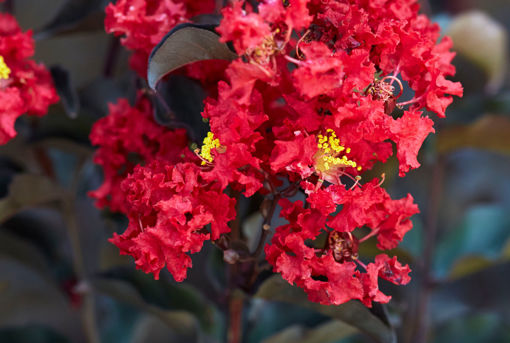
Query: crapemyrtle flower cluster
[[129, 136], [314, 100], [25, 86]]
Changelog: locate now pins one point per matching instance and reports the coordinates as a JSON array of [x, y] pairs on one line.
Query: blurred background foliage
[[61, 281]]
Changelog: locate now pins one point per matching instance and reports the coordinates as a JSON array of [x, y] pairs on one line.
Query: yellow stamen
[[5, 71], [329, 155], [209, 143]]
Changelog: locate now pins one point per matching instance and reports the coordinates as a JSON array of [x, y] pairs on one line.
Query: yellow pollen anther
[[5, 71], [330, 154], [209, 143]]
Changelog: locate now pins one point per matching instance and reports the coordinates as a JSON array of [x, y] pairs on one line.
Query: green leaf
[[166, 295], [352, 313], [482, 40], [473, 328], [486, 291], [184, 44], [483, 232], [468, 265], [70, 15], [182, 322], [151, 329], [66, 146], [28, 190], [13, 247], [31, 334], [490, 132], [328, 332], [32, 297]]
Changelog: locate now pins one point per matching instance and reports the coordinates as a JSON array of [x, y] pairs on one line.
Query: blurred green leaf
[[483, 232], [32, 297], [469, 265], [182, 322], [66, 146], [352, 313], [166, 295], [151, 329], [485, 291], [328, 332], [22, 251], [490, 132], [184, 44], [472, 329], [484, 41], [70, 15], [27, 190], [31, 334]]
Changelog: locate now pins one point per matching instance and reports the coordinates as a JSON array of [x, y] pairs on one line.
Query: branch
[[69, 212], [430, 235]]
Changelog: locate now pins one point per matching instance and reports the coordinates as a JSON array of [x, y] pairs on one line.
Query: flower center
[[5, 71], [209, 143], [343, 246], [263, 53], [332, 154]]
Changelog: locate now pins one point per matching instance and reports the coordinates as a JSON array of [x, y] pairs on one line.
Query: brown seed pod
[[343, 246]]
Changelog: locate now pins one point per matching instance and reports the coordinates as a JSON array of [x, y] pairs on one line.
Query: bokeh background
[[61, 281]]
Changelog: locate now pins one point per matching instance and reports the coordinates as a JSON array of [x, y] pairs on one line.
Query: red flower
[[246, 29], [410, 131], [143, 23], [25, 86], [308, 106], [126, 137], [330, 274], [168, 208]]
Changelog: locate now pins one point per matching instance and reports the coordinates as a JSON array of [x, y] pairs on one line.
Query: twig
[[88, 308], [265, 228], [9, 6], [425, 7], [431, 227], [112, 57], [235, 331], [235, 303]]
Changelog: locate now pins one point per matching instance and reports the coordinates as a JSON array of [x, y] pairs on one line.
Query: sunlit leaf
[[469, 265], [484, 41], [489, 133]]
